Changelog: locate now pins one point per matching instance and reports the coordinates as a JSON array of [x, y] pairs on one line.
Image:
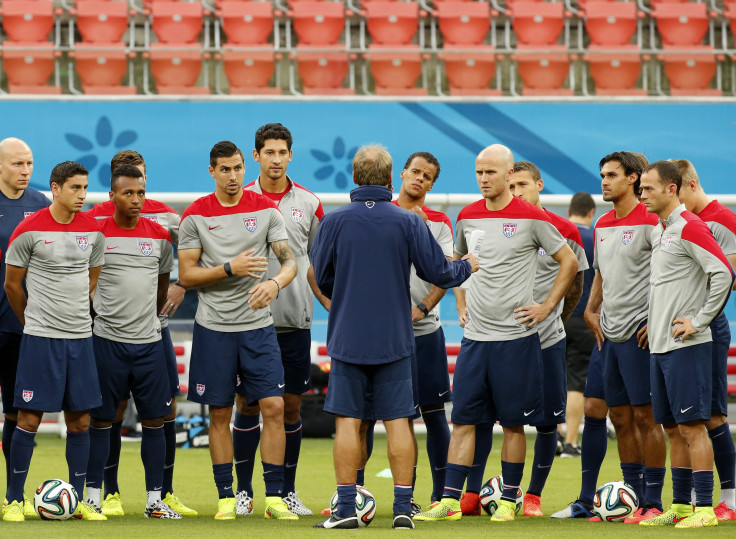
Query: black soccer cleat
[[403, 521], [337, 523]]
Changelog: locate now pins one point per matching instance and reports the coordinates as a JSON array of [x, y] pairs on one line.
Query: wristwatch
[[422, 307]]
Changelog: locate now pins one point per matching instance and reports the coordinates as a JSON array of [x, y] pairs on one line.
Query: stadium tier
[[365, 47]]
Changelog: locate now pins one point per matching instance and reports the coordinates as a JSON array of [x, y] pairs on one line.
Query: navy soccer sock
[[77, 456], [113, 459], [369, 440], [512, 473], [291, 454], [653, 483], [682, 485], [8, 428], [346, 499], [170, 457], [402, 498], [724, 455], [223, 479], [99, 447], [634, 475], [703, 487], [545, 448], [153, 455], [360, 477], [483, 444], [438, 440], [455, 476], [21, 452], [246, 436], [273, 476], [594, 445]]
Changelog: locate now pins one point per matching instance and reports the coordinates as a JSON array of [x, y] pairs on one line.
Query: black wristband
[[228, 269], [422, 307], [177, 283], [278, 288]]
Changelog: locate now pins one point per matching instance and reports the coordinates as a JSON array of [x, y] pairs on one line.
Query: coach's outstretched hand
[[245, 265], [474, 265]]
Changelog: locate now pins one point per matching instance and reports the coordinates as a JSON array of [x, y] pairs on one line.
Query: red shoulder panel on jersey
[[209, 206], [319, 212], [718, 213], [154, 206], [697, 232], [638, 216], [42, 221], [437, 217], [565, 227], [103, 209], [516, 209], [145, 229]]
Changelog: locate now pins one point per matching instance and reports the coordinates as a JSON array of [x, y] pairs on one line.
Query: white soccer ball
[[365, 505], [490, 495], [614, 501], [55, 499]]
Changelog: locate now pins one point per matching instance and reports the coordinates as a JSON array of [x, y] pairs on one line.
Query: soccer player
[[498, 374], [17, 201], [526, 184], [165, 216], [617, 377], [127, 335], [59, 254], [292, 315], [362, 258], [431, 378], [224, 239], [580, 341], [722, 223], [690, 282]]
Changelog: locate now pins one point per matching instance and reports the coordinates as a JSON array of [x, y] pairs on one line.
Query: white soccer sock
[[154, 496], [728, 495], [93, 496]]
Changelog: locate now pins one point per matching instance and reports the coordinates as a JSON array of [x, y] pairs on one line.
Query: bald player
[[722, 223], [17, 201], [498, 375]]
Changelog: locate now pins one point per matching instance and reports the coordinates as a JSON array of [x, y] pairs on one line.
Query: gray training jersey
[[508, 262], [622, 251], [551, 329], [222, 233], [58, 258], [302, 211], [685, 256], [133, 261]]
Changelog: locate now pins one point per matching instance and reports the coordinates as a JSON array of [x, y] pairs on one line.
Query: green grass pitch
[[316, 481]]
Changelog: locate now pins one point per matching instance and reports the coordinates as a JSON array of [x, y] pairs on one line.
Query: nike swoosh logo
[[79, 474], [168, 466], [652, 484], [281, 385], [19, 471], [685, 410], [47, 242], [227, 488], [157, 488], [558, 413], [306, 381], [603, 239], [241, 461], [214, 227], [444, 393], [289, 465], [168, 403], [438, 468], [111, 248], [527, 414], [716, 436], [543, 467]]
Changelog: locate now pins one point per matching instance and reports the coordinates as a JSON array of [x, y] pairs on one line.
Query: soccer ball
[[55, 500], [614, 501], [490, 495], [365, 505]]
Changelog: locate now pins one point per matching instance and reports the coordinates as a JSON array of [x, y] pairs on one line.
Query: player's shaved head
[[668, 173], [372, 166], [687, 170], [10, 144], [497, 152]]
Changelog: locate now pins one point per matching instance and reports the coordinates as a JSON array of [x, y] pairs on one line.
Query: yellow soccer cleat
[[28, 510], [173, 501], [703, 517], [276, 508], [225, 509], [676, 513], [87, 511], [111, 506], [13, 512], [445, 509], [505, 512]]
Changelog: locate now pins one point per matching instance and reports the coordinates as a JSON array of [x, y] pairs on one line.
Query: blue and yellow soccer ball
[[365, 505], [490, 495], [614, 501], [55, 499]]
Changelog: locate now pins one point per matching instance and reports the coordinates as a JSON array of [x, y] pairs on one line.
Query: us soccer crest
[[251, 223], [667, 242], [27, 395], [153, 218], [146, 247], [297, 214], [83, 242], [27, 214], [542, 252], [200, 389], [627, 236], [509, 229]]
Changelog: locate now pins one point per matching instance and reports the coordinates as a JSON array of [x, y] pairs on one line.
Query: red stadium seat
[[681, 24], [318, 23], [28, 67], [101, 21], [464, 23], [246, 23], [543, 73], [176, 22], [392, 23], [396, 73], [175, 70], [469, 73], [101, 70], [322, 72], [615, 73], [690, 74], [538, 23], [27, 21], [611, 23], [730, 14], [249, 72]]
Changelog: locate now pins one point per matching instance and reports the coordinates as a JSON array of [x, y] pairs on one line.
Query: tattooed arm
[[572, 297], [266, 291]]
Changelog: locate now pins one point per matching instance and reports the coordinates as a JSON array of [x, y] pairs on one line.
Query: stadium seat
[[28, 67], [246, 23], [538, 23], [392, 23], [176, 22], [101, 21], [102, 70], [681, 24], [396, 73], [615, 73], [469, 73], [318, 23], [322, 72], [690, 74], [175, 70], [543, 73], [730, 14], [611, 23], [464, 23], [249, 72], [26, 21]]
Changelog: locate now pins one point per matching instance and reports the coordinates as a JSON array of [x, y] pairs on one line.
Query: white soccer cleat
[[296, 506], [244, 503], [161, 510]]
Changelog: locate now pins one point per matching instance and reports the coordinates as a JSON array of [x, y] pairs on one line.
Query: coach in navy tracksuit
[[362, 257]]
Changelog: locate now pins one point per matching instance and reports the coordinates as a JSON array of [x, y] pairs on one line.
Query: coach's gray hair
[[372, 165]]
